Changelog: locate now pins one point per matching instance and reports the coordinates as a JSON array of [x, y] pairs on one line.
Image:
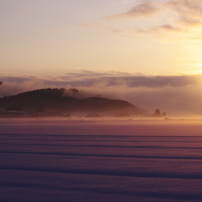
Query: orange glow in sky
[[147, 52], [55, 37]]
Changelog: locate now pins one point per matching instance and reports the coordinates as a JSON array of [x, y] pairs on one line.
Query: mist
[[177, 95]]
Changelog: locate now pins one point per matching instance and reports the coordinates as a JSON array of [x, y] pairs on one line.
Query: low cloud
[[173, 94], [80, 94]]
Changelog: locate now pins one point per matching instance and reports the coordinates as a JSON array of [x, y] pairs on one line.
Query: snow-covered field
[[58, 160]]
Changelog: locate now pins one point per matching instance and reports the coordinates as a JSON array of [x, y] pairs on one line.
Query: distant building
[[15, 113]]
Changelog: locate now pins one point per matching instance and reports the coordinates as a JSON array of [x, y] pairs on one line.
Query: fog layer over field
[[177, 95], [108, 160]]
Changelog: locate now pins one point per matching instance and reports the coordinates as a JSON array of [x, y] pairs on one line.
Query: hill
[[55, 101]]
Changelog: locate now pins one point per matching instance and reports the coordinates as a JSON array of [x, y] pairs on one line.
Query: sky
[[145, 51]]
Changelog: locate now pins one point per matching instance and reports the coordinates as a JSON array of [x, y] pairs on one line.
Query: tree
[[157, 112]]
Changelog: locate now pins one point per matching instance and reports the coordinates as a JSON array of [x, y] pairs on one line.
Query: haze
[[146, 52]]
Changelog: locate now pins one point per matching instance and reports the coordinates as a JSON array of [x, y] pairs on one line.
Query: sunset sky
[[135, 48]]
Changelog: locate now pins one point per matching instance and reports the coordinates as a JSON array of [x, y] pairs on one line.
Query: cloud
[[173, 94], [162, 29], [80, 94], [189, 12], [191, 8], [15, 85], [141, 10], [190, 22], [157, 17], [87, 79], [173, 100]]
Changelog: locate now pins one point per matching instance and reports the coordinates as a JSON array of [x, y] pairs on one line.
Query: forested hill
[[54, 100]]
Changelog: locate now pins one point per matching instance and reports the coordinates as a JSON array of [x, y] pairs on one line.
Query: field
[[58, 160]]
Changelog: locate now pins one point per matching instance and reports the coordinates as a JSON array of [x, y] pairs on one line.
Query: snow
[[93, 160]]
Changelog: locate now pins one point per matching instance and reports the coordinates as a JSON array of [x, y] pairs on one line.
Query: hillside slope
[[53, 100]]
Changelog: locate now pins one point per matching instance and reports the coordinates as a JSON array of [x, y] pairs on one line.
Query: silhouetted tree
[[157, 112]]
